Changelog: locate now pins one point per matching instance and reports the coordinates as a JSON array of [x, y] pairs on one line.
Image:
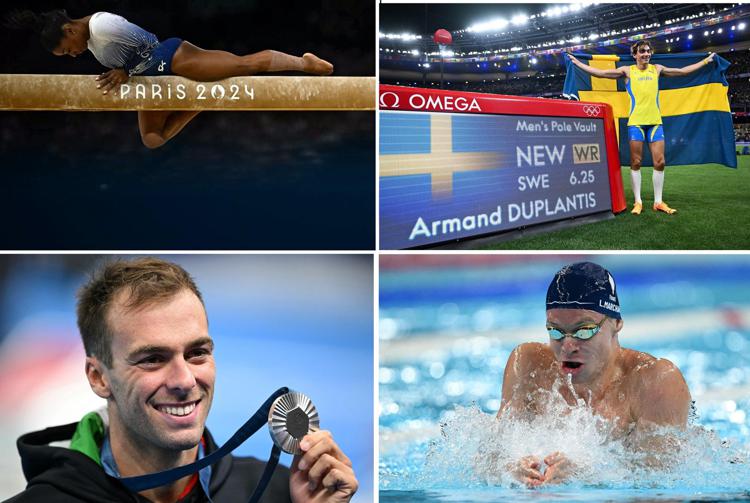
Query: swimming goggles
[[583, 333]]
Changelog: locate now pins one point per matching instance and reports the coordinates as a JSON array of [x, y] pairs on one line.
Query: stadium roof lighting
[[533, 61], [399, 36], [741, 26], [719, 30], [690, 37], [705, 33], [426, 65], [494, 24], [415, 52], [593, 36], [520, 19]]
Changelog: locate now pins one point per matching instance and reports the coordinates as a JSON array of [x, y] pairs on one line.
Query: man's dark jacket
[[62, 475]]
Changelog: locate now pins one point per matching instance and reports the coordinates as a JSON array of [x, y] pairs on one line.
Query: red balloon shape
[[442, 37]]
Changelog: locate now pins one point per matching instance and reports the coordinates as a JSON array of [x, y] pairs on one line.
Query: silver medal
[[292, 416]]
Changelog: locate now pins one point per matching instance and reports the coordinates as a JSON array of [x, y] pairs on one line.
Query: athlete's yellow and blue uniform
[[644, 123]]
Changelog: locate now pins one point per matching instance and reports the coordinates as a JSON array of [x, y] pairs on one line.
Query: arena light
[[533, 61], [741, 26], [400, 36], [593, 36], [494, 24], [519, 19], [690, 37], [705, 33], [720, 30]]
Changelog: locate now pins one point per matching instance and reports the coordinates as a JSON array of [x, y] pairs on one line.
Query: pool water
[[440, 441]]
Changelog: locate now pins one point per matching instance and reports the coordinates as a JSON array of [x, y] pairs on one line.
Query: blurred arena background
[[303, 321], [260, 180]]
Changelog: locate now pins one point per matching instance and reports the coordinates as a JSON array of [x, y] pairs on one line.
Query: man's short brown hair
[[634, 48], [146, 280]]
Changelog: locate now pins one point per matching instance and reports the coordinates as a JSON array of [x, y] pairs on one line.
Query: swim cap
[[584, 285]]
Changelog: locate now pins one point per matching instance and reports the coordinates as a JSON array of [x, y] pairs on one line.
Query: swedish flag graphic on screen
[[433, 148], [695, 108]]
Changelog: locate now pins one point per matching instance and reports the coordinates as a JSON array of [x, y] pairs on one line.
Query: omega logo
[[383, 102]]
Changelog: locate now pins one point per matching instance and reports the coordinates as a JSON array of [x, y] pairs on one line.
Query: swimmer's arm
[[676, 72], [514, 403], [510, 381], [615, 73], [663, 400], [517, 384]]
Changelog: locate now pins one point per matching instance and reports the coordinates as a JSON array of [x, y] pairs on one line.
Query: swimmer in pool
[[128, 50], [634, 390]]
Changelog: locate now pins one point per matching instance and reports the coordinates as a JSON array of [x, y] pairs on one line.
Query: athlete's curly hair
[[634, 48], [48, 25]]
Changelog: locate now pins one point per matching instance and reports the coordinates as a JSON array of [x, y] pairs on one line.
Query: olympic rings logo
[[383, 100], [592, 110]]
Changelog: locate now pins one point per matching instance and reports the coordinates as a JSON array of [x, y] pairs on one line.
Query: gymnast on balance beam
[[130, 50]]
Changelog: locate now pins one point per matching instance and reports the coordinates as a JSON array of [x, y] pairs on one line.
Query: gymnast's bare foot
[[313, 64]]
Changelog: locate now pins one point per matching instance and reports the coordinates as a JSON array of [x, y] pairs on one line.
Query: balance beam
[[79, 93]]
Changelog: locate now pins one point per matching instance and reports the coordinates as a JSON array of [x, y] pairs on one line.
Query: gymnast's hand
[[111, 80], [323, 473]]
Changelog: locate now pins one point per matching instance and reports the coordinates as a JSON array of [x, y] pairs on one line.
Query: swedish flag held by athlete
[[644, 123]]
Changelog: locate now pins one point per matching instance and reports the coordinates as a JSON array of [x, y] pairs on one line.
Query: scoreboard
[[459, 165]]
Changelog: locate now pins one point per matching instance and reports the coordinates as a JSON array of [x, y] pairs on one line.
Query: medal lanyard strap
[[260, 418]]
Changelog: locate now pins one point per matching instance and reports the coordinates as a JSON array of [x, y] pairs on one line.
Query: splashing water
[[476, 450]]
